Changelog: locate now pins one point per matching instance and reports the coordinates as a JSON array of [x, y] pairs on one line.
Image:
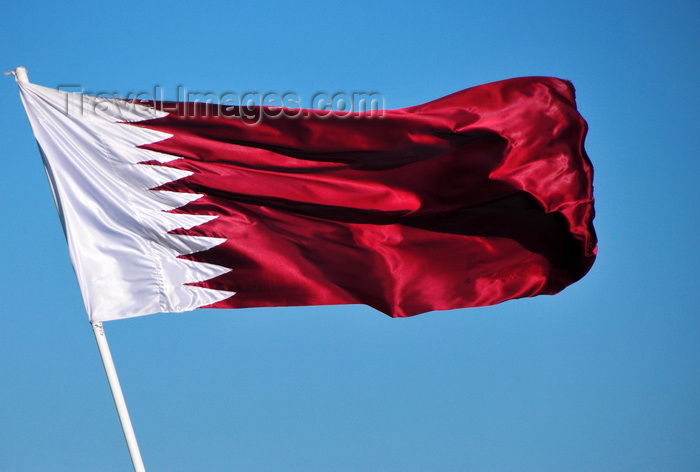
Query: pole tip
[[20, 74]]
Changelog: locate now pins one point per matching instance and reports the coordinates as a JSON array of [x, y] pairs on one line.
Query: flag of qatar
[[479, 197]]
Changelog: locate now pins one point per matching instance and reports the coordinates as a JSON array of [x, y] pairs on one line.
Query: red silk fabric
[[470, 200]]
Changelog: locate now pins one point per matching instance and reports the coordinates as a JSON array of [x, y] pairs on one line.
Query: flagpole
[[118, 396], [20, 74]]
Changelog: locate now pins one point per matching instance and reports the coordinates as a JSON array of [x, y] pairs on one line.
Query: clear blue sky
[[602, 377]]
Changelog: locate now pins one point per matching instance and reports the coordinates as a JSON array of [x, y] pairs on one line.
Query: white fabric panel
[[116, 227]]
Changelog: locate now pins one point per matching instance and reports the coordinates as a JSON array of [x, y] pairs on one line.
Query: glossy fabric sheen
[[117, 229], [470, 200]]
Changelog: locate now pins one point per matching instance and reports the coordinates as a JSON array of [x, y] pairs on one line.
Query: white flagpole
[[20, 75], [118, 396]]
